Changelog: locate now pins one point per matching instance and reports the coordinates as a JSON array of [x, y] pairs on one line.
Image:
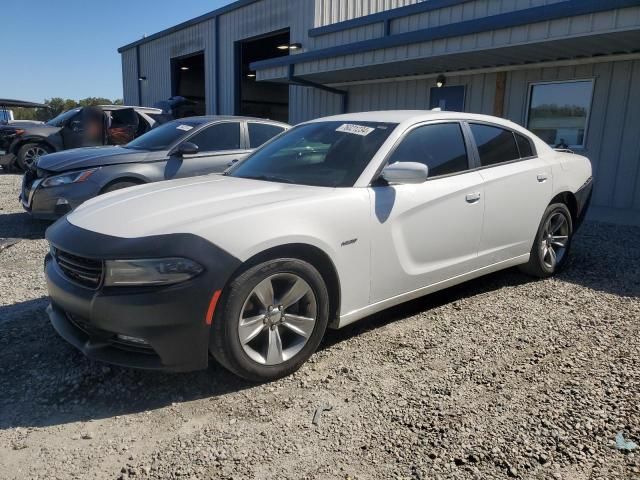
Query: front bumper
[[170, 319], [7, 159], [54, 202]]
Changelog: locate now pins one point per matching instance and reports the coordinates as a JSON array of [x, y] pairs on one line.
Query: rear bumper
[[169, 322], [583, 199]]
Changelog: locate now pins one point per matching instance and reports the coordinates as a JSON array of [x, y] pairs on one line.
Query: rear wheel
[[270, 320], [552, 243], [29, 154], [119, 186]]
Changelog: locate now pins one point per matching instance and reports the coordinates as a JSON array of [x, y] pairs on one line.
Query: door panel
[[74, 131], [205, 163], [516, 196], [220, 144], [423, 234]]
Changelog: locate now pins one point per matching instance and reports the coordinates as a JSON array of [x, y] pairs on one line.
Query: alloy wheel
[[555, 238], [277, 319], [32, 155]]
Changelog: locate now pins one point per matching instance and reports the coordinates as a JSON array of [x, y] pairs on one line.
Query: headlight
[[68, 178], [151, 271]]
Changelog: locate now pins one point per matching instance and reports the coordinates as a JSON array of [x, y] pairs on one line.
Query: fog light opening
[[134, 340]]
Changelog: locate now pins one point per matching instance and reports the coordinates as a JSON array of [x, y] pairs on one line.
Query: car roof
[[414, 116], [217, 118], [121, 107]]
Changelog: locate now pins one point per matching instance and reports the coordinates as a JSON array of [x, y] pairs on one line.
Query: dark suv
[[21, 143]]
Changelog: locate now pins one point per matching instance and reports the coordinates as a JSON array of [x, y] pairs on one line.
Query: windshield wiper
[[270, 178]]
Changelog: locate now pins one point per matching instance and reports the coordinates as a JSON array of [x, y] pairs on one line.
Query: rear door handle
[[542, 177], [472, 197]]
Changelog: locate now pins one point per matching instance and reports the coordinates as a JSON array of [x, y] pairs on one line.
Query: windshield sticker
[[186, 128], [355, 129]]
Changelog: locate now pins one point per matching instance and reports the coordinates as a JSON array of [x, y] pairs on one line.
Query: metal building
[[567, 69]]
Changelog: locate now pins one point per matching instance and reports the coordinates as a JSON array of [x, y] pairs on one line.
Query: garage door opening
[[188, 81], [261, 99]]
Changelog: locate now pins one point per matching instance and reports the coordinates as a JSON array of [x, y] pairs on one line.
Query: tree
[[59, 105]]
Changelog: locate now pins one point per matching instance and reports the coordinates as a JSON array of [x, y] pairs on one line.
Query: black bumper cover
[[171, 319], [583, 199]]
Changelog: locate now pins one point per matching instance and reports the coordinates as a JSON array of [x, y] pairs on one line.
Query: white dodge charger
[[326, 224]]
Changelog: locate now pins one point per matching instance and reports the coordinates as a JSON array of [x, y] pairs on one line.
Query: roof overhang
[[7, 103], [316, 65], [585, 47]]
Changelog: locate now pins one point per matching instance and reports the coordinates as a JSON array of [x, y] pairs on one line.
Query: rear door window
[[495, 145], [218, 137], [524, 145], [439, 146], [260, 133]]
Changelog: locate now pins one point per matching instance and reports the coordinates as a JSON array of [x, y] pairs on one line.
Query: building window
[[447, 98], [559, 112]]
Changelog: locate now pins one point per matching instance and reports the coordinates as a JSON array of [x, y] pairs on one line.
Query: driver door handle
[[473, 197]]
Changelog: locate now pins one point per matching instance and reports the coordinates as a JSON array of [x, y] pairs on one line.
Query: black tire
[[25, 157], [539, 265], [225, 344], [119, 186]]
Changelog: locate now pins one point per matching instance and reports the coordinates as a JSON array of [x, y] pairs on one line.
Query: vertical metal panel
[[155, 61], [614, 124], [129, 77]]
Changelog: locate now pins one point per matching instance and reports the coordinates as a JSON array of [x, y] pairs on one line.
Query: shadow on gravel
[[21, 225], [605, 257], [478, 286], [44, 381]]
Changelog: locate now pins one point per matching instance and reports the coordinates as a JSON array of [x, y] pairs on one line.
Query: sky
[[69, 48]]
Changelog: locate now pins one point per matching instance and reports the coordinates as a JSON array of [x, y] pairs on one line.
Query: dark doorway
[[261, 99], [188, 81]]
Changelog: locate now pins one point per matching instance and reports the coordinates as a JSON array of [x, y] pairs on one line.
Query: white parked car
[[326, 224]]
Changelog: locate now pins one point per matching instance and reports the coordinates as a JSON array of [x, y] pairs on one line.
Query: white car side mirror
[[405, 172]]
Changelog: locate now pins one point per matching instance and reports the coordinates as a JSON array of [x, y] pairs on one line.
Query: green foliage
[[58, 105]]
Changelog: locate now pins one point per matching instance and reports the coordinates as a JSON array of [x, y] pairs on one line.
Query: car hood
[[190, 205], [89, 157]]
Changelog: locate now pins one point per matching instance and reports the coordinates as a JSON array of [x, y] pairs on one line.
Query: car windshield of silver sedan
[[324, 154], [164, 136]]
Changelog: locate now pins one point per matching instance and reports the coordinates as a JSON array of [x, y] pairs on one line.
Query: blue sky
[[68, 48]]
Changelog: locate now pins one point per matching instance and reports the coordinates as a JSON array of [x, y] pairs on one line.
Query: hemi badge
[[349, 242]]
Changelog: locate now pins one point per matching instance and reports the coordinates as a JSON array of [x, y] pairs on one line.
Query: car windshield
[[60, 120], [164, 136], [325, 154]]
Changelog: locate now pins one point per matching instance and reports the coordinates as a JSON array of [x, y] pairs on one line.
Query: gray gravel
[[502, 377]]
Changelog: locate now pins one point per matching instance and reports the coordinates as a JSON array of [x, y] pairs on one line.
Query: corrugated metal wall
[[129, 77], [155, 61], [613, 136]]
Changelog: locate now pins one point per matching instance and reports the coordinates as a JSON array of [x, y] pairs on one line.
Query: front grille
[[84, 271]]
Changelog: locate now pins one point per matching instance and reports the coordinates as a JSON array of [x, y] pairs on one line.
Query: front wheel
[[29, 154], [270, 320], [552, 243]]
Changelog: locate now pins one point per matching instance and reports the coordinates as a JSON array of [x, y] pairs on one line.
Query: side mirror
[[187, 148], [76, 126], [405, 172]]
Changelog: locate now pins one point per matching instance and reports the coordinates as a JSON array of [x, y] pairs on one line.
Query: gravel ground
[[500, 377]]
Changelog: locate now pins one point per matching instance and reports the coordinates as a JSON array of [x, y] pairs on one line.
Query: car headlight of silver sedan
[[150, 271], [67, 178]]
